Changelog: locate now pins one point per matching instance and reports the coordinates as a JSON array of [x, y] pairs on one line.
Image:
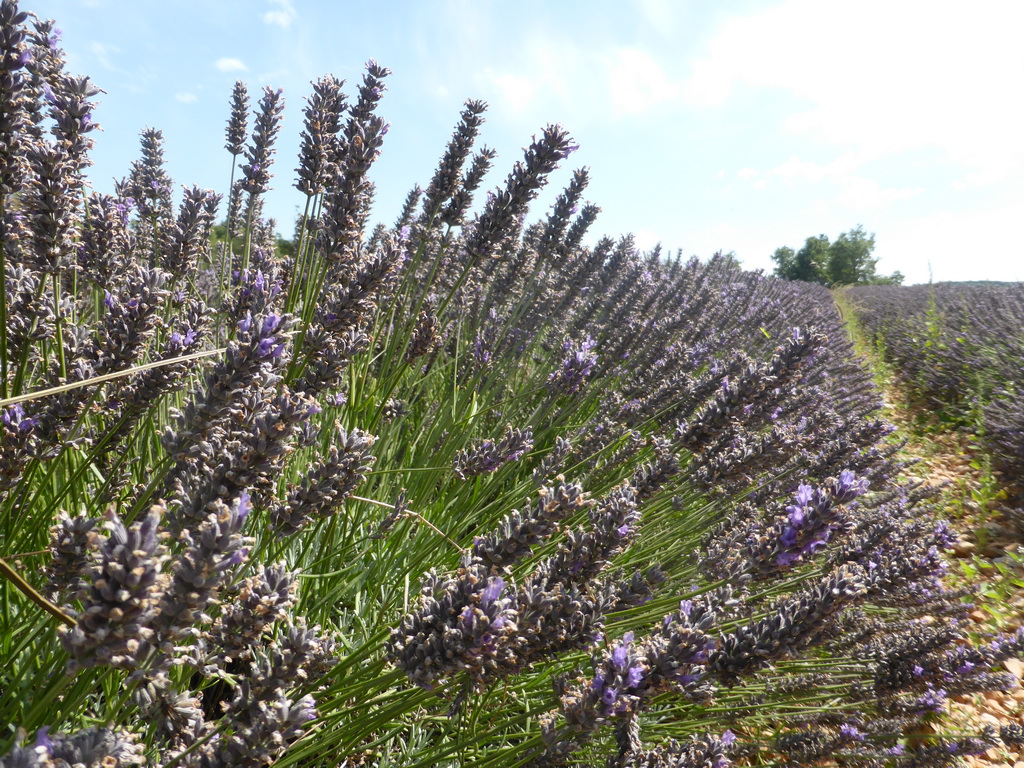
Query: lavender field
[[960, 347], [457, 490]]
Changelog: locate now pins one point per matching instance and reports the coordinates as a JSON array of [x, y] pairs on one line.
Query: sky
[[707, 126]]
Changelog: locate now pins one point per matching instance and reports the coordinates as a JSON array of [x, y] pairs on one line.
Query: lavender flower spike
[[122, 598], [489, 456], [237, 123]]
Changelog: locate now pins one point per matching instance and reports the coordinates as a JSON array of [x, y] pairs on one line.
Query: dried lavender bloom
[[45, 64], [399, 511], [554, 619], [520, 532], [137, 395], [235, 209], [19, 441], [1012, 734], [89, 747], [30, 311], [130, 319], [106, 239], [424, 336], [248, 453], [299, 657], [71, 112], [454, 213], [584, 554], [50, 208], [564, 207], [238, 122], [638, 589], [462, 622], [328, 483], [587, 216], [14, 54], [121, 598], [260, 601], [330, 353], [796, 623], [807, 747], [412, 201], [257, 351], [371, 91], [498, 226], [72, 545], [259, 154], [393, 409], [487, 456], [576, 368], [319, 135], [551, 464], [189, 237], [807, 527], [178, 716], [746, 398], [699, 752], [346, 202], [148, 184], [213, 549], [260, 728], [343, 313], [448, 176], [649, 478]]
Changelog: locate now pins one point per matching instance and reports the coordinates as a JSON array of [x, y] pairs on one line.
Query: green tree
[[808, 264], [846, 261]]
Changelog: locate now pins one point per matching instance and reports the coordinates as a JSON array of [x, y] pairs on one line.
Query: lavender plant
[[961, 348], [647, 499]]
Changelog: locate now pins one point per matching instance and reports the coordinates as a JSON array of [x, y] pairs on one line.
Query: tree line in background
[[846, 261]]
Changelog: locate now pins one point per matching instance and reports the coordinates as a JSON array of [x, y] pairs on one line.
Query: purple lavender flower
[[489, 456], [122, 596], [260, 152], [239, 117], [577, 366]]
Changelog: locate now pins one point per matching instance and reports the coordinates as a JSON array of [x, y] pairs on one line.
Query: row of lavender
[[962, 347], [661, 522]]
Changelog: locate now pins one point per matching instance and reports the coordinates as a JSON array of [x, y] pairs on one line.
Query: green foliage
[[847, 261]]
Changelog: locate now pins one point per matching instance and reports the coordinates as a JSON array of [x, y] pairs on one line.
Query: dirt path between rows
[[989, 553]]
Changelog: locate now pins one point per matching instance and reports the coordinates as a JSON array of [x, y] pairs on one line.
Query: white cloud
[[861, 194], [645, 239], [515, 92], [853, 190], [230, 65], [636, 82], [882, 77], [659, 14], [186, 98], [796, 169], [282, 17], [548, 78], [957, 245], [746, 173]]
